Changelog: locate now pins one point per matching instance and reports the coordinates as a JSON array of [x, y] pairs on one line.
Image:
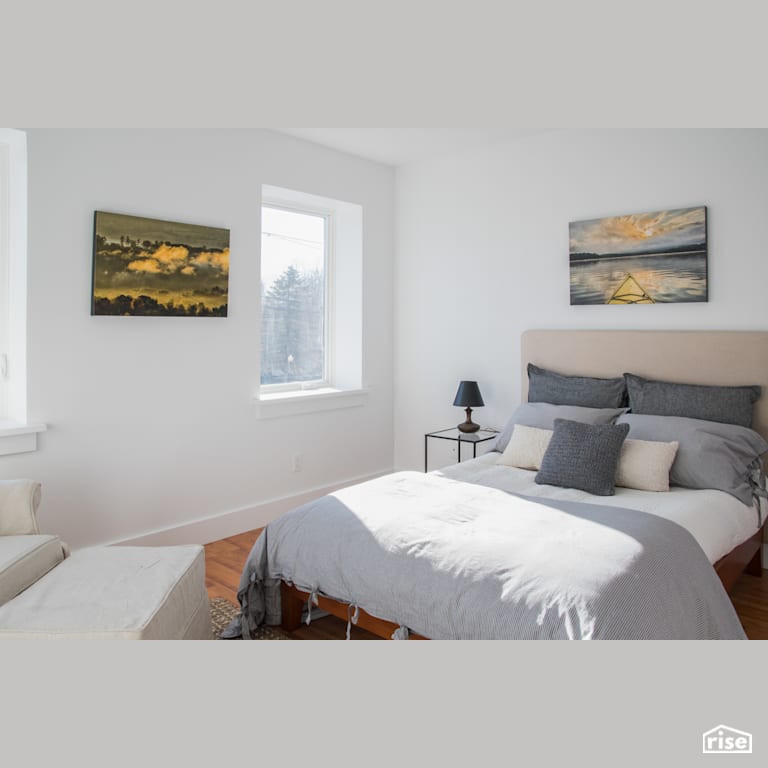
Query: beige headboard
[[688, 357]]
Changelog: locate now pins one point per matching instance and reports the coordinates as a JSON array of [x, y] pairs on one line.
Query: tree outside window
[[293, 300]]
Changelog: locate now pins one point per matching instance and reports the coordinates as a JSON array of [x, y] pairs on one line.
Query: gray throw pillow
[[543, 415], [729, 405], [583, 456], [710, 454], [546, 386]]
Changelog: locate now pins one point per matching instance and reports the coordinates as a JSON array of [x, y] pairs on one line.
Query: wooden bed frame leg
[[755, 567], [291, 609]]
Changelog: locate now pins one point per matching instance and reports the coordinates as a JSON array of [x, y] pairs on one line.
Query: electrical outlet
[[297, 462]]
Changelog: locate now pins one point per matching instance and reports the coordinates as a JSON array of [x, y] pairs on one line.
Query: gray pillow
[[729, 405], [549, 387], [583, 456], [710, 455], [543, 415]]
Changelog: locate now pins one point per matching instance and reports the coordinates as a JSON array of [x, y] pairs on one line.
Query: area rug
[[222, 612]]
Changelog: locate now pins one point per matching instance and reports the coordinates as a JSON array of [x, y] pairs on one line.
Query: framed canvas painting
[[640, 258], [145, 266]]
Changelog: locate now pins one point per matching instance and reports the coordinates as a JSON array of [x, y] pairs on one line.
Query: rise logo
[[723, 740]]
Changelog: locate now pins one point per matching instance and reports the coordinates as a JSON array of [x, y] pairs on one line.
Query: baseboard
[[236, 521]]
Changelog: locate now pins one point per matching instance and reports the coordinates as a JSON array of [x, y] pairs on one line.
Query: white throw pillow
[[18, 503], [526, 447], [643, 464]]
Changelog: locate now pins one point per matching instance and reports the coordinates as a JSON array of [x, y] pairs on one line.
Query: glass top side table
[[481, 436]]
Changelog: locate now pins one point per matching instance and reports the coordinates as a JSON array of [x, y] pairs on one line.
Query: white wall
[[151, 420], [482, 254]]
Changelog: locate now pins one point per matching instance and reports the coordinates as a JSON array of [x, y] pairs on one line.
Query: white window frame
[[344, 386], [328, 307], [17, 435], [5, 249]]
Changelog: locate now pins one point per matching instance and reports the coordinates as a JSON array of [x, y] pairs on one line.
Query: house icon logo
[[724, 740]]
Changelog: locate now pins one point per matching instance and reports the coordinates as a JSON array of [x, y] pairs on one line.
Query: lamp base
[[468, 425]]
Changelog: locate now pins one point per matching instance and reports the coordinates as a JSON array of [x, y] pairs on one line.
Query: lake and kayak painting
[[641, 258]]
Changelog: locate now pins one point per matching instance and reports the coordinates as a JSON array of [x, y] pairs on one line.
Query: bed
[[483, 551]]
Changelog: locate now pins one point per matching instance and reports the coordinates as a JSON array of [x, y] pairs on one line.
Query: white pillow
[[526, 447], [643, 464], [19, 500]]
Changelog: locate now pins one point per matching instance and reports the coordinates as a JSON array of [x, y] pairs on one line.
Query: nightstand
[[481, 436]]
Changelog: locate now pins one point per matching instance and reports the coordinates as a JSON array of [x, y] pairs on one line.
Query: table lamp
[[468, 396]]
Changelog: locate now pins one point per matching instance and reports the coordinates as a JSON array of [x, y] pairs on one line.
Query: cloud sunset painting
[[147, 266], [641, 258]]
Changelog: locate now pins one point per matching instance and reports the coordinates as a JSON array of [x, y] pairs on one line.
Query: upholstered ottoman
[[141, 593]]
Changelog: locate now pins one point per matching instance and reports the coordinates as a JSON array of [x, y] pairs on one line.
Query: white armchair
[[25, 554], [98, 592]]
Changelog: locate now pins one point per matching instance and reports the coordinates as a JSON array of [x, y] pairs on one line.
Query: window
[[294, 298], [4, 258], [16, 435], [311, 303]]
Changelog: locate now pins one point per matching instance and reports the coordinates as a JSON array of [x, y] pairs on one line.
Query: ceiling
[[400, 146]]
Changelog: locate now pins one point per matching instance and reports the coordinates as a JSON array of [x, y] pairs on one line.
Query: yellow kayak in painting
[[630, 292]]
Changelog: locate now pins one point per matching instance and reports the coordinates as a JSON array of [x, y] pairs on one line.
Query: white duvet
[[719, 522]]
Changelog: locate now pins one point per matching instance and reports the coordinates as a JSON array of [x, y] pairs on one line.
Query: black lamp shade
[[468, 395]]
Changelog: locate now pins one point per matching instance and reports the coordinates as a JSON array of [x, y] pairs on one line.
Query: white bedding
[[718, 521], [449, 559]]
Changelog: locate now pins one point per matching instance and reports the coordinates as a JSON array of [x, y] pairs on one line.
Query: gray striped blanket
[[454, 560]]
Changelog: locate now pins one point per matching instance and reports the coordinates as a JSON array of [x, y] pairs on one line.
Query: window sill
[[277, 404], [18, 438]]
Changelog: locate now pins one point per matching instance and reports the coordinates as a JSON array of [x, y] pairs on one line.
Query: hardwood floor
[[750, 598], [224, 562]]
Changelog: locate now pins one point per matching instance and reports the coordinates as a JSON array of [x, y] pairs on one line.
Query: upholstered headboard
[[688, 357]]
